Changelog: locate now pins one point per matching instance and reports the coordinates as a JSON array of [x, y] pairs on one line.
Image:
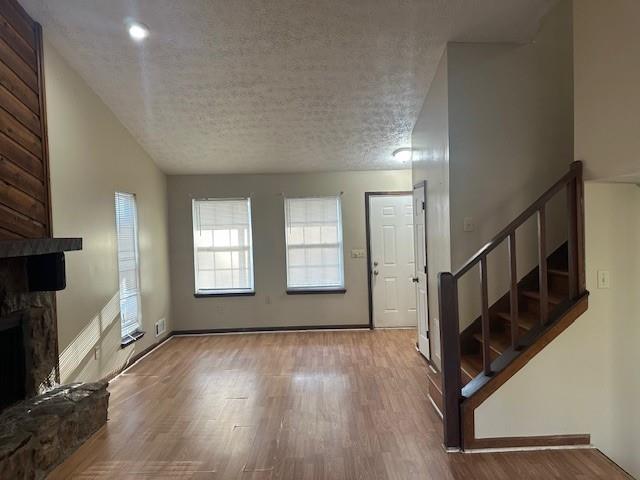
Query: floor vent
[[161, 326]]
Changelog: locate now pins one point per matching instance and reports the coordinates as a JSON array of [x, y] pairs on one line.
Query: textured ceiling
[[226, 86]]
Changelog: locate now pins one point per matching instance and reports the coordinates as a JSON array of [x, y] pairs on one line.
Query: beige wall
[[271, 307], [511, 138], [495, 131], [92, 156], [586, 381], [430, 161], [607, 75]]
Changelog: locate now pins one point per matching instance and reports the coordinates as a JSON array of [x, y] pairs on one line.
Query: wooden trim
[[485, 319], [450, 351], [514, 308], [208, 331], [43, 122], [580, 245], [25, 194], [367, 226], [523, 217], [534, 441], [543, 279], [19, 20], [315, 291], [225, 294]]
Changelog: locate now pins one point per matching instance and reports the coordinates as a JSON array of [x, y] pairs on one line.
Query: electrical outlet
[[603, 279], [358, 253]]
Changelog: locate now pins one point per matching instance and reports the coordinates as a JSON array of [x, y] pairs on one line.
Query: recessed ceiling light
[[138, 31], [402, 154]]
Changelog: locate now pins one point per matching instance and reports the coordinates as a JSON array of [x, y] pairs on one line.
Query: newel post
[[450, 357]]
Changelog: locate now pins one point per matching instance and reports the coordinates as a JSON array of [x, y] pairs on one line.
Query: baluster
[[582, 284], [542, 259], [513, 294], [486, 323], [572, 243], [450, 355]]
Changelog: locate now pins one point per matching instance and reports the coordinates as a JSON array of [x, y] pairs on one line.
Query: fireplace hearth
[[41, 423]]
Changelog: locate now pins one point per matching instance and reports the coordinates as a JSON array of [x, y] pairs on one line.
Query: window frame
[[223, 292], [317, 289], [137, 333]]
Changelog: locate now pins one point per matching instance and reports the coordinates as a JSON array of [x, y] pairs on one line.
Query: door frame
[[423, 184], [367, 197]]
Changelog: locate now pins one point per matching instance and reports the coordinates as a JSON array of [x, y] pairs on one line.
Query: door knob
[[375, 272], [375, 264], [415, 279]]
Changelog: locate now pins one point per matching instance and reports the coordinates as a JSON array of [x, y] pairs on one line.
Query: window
[[223, 251], [128, 267], [314, 244]]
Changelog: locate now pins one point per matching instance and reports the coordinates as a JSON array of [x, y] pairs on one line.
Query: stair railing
[[448, 292]]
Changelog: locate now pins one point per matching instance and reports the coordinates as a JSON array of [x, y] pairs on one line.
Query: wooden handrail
[[574, 172], [448, 294]]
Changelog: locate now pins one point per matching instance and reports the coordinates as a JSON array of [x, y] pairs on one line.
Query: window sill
[[315, 291], [237, 293], [129, 339]]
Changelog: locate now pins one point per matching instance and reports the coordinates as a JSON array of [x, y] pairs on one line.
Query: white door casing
[[392, 261], [420, 247]]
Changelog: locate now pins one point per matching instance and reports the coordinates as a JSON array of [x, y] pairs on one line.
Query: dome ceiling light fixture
[[138, 31], [402, 154]]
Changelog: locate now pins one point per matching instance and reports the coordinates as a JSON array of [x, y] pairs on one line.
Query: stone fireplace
[[40, 422]]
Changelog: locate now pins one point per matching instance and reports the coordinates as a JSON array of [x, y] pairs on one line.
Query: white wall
[[511, 138], [271, 306], [607, 75], [430, 159], [495, 131], [586, 380], [92, 156]]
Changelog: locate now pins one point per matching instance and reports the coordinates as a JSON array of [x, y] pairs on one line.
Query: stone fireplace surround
[[40, 431]]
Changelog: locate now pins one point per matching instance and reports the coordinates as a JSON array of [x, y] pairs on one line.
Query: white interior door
[[392, 263], [420, 247]]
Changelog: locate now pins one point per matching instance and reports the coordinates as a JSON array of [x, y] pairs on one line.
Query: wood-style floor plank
[[303, 405]]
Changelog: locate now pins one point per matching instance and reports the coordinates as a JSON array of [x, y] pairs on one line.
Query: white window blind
[[314, 243], [223, 251], [128, 267]]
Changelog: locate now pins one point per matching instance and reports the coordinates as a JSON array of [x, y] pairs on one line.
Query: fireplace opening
[[12, 363]]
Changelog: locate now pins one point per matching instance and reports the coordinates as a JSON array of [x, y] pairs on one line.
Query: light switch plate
[[468, 224], [358, 253], [603, 279]]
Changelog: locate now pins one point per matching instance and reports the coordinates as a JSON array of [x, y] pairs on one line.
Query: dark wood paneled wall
[[25, 204]]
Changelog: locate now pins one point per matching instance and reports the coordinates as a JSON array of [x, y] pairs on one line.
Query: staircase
[[536, 309], [471, 340]]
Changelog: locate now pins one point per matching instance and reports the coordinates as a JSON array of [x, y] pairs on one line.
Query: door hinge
[[423, 206], [427, 335], [425, 269]]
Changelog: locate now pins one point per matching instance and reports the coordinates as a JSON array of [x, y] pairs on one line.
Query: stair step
[[499, 341], [471, 366], [560, 273], [534, 295], [526, 321]]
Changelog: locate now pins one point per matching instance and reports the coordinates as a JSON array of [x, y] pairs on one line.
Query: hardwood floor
[[312, 405]]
